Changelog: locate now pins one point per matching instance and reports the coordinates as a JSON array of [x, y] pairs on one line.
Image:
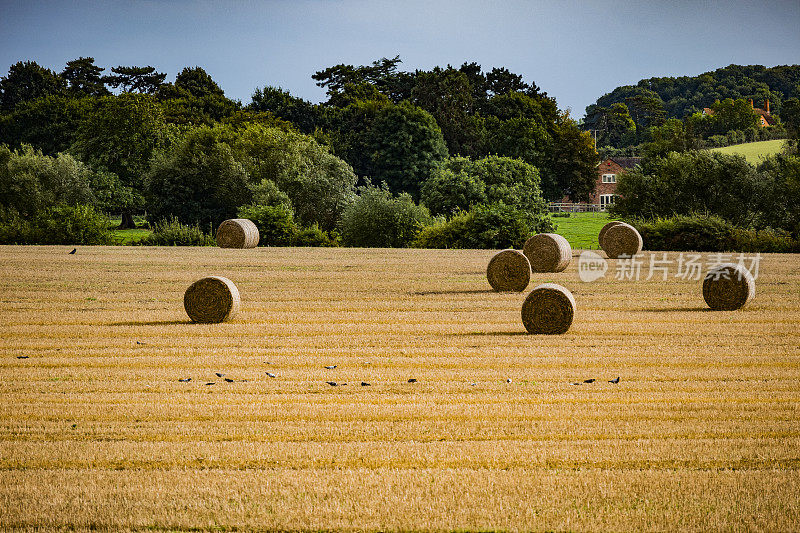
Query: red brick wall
[[606, 167]]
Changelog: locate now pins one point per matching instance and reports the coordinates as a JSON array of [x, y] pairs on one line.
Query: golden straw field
[[701, 433]]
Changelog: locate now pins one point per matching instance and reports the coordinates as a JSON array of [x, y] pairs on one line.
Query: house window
[[606, 200], [609, 178]]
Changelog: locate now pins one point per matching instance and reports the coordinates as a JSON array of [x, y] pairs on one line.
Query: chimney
[[767, 110]]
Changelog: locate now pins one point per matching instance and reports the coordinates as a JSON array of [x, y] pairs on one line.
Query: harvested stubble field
[[701, 433]]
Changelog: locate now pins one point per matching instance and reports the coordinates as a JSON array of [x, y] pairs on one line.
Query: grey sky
[[576, 51]]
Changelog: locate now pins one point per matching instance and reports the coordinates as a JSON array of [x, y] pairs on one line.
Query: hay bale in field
[[548, 252], [509, 270], [621, 239], [211, 300], [548, 309], [237, 233], [728, 287], [604, 229]]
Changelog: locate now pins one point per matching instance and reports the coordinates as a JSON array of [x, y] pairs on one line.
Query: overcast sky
[[575, 50]]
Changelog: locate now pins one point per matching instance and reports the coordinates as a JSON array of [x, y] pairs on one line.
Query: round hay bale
[[548, 252], [604, 229], [237, 233], [728, 287], [548, 309], [621, 239], [509, 270], [211, 300]]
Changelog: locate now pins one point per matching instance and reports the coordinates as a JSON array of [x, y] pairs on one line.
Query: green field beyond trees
[[755, 152]]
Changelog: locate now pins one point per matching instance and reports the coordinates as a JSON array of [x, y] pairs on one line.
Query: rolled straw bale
[[621, 239], [548, 252], [728, 287], [237, 233], [604, 229], [509, 270], [211, 300], [548, 309]]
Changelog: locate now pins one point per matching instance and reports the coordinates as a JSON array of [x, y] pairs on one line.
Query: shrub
[[80, 224], [314, 236], [492, 226], [459, 183], [171, 232], [379, 219], [275, 223], [710, 233]]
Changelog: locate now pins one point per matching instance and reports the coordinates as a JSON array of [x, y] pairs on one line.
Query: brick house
[[607, 174]]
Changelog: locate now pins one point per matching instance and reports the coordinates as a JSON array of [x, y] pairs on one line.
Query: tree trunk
[[127, 221]]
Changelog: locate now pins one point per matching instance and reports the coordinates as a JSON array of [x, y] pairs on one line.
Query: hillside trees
[[26, 81]]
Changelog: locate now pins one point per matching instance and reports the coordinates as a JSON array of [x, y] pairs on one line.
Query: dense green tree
[[790, 116], [732, 115], [379, 219], [319, 184], [669, 137], [31, 182], [28, 81], [494, 226], [570, 164], [446, 192], [405, 144], [49, 124], [380, 73], [197, 82], [691, 182], [84, 78], [447, 95], [459, 183], [135, 79], [283, 105], [355, 94], [199, 181], [121, 135]]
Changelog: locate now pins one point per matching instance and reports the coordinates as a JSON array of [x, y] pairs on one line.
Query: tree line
[[418, 143]]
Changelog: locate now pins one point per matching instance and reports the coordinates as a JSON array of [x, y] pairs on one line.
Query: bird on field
[[22, 356], [365, 384], [73, 251], [412, 380], [577, 383], [330, 367], [229, 380], [211, 383], [140, 342], [270, 374], [592, 380], [219, 374], [615, 380], [185, 380], [331, 383], [508, 380]]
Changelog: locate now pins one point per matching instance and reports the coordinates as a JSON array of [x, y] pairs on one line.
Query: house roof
[[626, 162], [766, 115]]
